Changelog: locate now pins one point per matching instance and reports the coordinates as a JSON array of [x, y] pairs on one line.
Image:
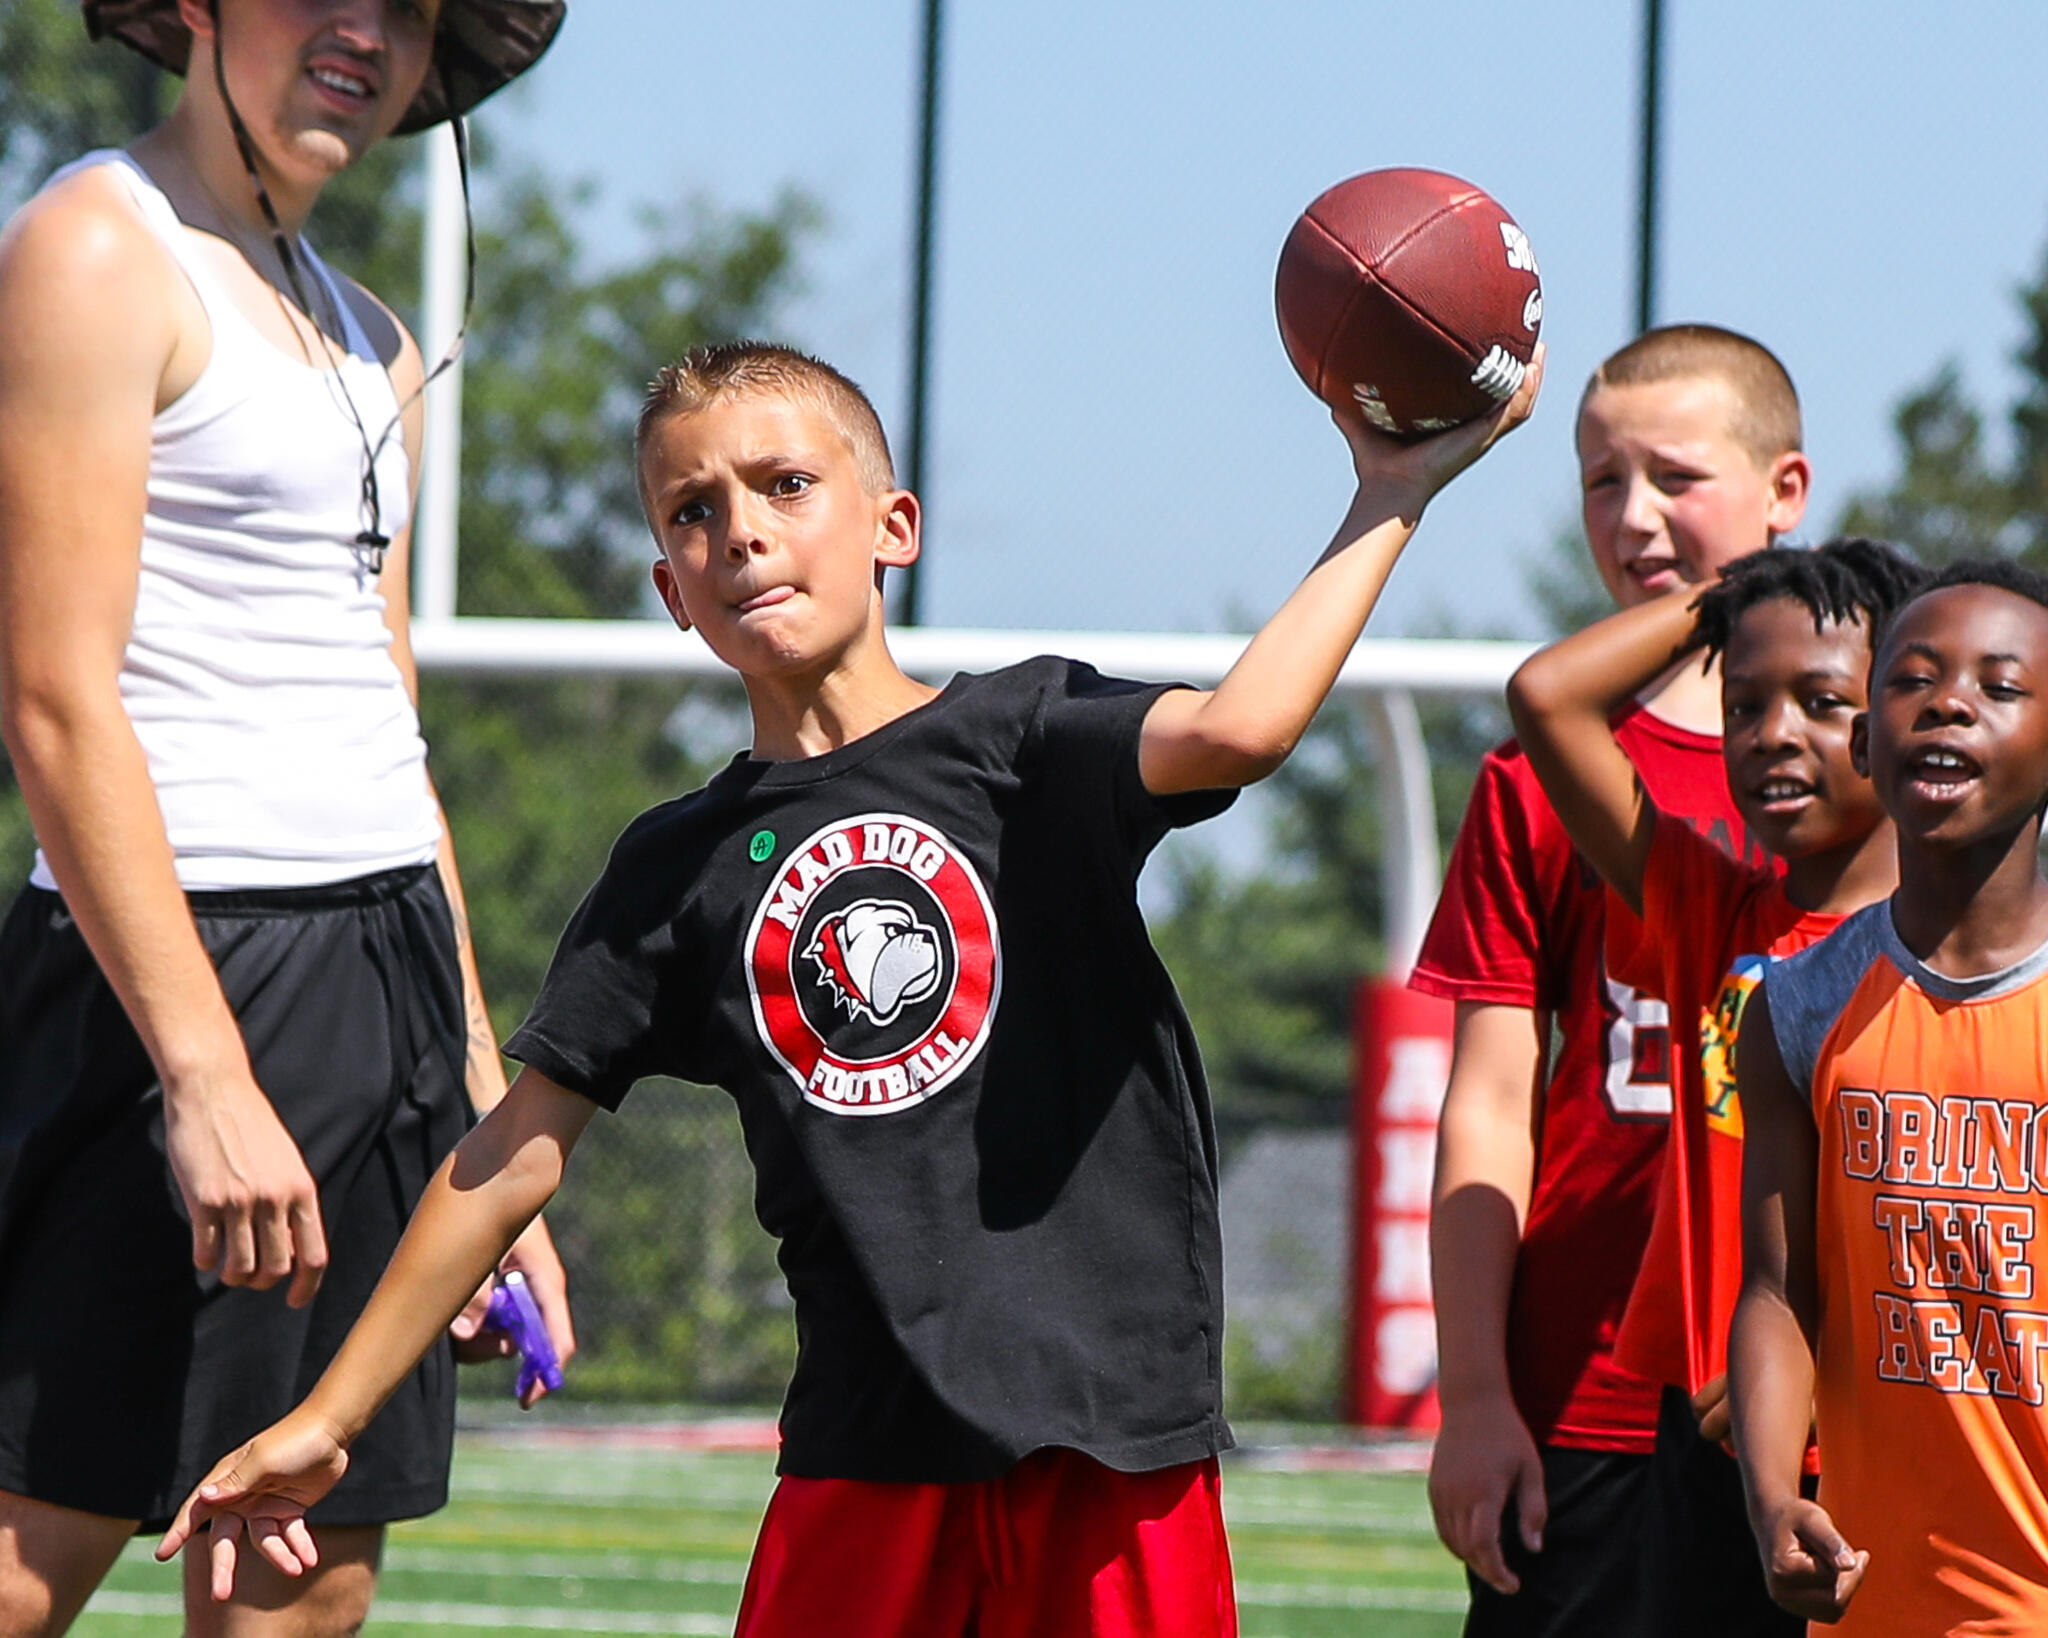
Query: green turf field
[[622, 1538]]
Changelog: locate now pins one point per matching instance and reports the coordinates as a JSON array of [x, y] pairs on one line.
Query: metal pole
[[921, 291], [443, 268], [1646, 207]]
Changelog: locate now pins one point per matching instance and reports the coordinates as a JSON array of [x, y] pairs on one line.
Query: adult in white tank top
[[207, 449]]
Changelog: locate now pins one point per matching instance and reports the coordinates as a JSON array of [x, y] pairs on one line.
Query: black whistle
[[374, 541]]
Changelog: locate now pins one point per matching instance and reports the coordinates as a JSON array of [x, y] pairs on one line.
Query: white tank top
[[284, 748]]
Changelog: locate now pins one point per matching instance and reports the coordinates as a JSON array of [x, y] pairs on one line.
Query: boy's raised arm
[[486, 1192], [1810, 1569], [1563, 701], [1247, 726]]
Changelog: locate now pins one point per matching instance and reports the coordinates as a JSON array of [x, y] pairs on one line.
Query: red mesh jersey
[[1711, 928], [1522, 922]]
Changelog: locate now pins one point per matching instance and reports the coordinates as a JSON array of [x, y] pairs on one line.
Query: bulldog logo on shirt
[[874, 965], [877, 957]]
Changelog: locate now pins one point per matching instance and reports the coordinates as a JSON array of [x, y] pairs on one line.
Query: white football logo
[[1521, 256], [877, 958]]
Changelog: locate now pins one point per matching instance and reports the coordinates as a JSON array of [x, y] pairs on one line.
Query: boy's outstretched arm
[[1563, 701], [485, 1193], [1811, 1570], [1254, 718]]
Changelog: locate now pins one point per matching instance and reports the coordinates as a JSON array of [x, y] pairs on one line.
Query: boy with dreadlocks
[[1794, 632]]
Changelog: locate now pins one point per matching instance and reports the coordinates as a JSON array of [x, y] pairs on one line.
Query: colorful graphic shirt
[[972, 1100], [1710, 928], [1521, 923], [1929, 1098]]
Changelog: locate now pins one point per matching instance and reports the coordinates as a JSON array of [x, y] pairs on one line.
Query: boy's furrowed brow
[[679, 483], [780, 459]]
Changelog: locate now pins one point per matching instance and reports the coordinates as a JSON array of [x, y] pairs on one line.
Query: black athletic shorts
[[124, 1373], [1590, 1580], [1704, 1556]]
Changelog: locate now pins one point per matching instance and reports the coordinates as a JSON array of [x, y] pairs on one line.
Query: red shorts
[[1058, 1545]]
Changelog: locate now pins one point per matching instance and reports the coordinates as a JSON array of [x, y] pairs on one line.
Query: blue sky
[[1118, 438]]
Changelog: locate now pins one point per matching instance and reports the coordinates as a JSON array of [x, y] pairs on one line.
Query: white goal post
[[1381, 680]]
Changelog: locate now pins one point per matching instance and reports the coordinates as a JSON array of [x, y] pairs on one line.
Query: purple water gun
[[514, 1312]]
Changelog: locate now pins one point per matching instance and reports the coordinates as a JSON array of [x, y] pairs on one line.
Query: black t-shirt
[[977, 1119]]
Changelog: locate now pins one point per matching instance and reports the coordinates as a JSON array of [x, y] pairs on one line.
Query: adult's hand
[[533, 1255], [1484, 1456], [254, 1208]]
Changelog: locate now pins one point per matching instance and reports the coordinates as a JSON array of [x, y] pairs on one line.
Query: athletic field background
[[646, 1529]]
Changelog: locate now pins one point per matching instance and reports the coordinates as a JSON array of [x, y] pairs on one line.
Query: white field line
[[610, 1566], [594, 1491], [541, 1618], [490, 1616], [1329, 1596], [606, 1478], [623, 1567]]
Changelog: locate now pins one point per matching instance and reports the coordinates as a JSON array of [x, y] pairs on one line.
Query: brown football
[[1412, 295]]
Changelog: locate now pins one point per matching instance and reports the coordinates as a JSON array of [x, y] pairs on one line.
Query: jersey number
[[1638, 1054]]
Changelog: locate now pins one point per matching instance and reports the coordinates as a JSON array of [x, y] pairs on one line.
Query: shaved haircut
[[733, 369], [1766, 422]]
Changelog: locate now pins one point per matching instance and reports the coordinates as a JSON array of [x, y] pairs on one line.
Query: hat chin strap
[[372, 537]]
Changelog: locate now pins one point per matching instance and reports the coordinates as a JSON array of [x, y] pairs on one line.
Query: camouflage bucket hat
[[480, 46]]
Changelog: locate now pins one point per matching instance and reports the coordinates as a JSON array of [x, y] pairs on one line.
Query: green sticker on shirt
[[761, 846]]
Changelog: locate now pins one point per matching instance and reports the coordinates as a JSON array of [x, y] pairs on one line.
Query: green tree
[[60, 96], [1947, 500], [1954, 494]]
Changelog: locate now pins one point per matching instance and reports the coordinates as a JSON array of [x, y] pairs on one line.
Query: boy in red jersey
[[1895, 1275], [1792, 630], [1688, 443], [904, 935]]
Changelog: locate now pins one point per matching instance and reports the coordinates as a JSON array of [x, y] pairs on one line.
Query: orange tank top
[[1930, 1100]]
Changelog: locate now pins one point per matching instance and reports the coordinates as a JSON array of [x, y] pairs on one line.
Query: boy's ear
[[1791, 481], [671, 599], [1859, 744], [897, 538]]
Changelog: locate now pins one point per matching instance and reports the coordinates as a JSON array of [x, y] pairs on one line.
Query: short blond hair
[[1767, 422], [730, 369]]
